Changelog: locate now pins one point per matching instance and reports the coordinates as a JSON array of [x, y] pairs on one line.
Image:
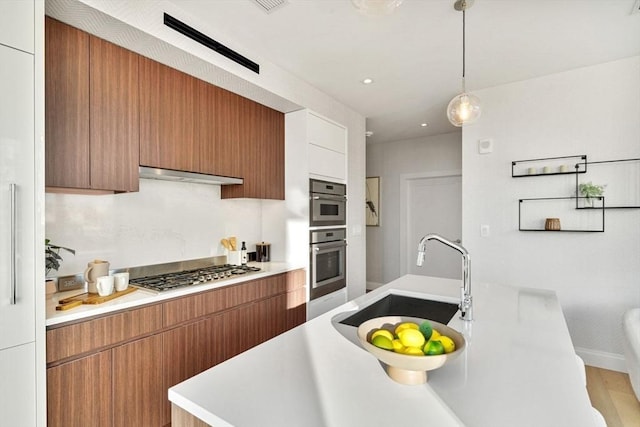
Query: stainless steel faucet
[[466, 301]]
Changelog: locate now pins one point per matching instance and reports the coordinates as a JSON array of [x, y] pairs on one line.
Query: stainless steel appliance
[[327, 203], [165, 277], [328, 256]]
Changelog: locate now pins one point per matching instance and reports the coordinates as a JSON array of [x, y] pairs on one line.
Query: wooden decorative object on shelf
[[552, 224]]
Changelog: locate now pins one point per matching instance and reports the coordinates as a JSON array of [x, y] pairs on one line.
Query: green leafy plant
[[590, 190], [52, 255]]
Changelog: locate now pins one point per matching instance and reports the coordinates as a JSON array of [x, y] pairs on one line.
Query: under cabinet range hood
[[174, 175]]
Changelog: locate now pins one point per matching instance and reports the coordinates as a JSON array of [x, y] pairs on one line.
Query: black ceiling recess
[[207, 41]]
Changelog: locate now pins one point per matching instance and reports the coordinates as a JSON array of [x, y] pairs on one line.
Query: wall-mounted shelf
[[565, 165], [622, 180], [572, 211]]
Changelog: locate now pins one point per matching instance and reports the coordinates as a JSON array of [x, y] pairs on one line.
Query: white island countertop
[[519, 369]]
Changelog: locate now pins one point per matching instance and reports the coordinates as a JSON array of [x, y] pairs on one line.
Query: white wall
[[594, 111], [389, 161]]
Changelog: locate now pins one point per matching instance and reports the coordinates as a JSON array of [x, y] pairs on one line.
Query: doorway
[[431, 203]]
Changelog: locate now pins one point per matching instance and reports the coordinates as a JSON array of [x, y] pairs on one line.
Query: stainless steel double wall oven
[[328, 246]]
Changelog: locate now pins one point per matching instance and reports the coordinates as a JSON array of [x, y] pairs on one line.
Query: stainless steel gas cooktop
[[189, 277]]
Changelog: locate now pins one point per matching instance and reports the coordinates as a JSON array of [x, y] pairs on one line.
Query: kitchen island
[[519, 369]]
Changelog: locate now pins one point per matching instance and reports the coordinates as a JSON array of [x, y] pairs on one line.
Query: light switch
[[485, 146], [485, 231]]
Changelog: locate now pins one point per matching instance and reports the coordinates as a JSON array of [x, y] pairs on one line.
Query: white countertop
[[518, 369], [143, 296]]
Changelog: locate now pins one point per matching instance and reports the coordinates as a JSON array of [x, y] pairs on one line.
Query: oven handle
[[328, 197], [329, 245]]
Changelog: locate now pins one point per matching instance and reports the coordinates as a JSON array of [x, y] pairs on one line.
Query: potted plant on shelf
[[591, 192], [52, 260]]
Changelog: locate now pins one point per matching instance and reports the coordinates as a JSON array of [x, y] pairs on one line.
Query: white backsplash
[[163, 222]]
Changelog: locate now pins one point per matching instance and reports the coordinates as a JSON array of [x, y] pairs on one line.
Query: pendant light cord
[[464, 38]]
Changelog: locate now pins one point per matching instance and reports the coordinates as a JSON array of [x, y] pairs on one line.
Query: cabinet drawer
[[71, 340], [192, 307]]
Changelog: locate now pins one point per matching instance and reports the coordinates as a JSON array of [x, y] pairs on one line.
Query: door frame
[[405, 180]]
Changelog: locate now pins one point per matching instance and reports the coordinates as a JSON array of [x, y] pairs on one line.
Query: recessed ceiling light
[[424, 125], [367, 81]]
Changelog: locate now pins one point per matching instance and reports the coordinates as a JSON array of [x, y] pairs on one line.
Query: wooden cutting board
[[88, 298]]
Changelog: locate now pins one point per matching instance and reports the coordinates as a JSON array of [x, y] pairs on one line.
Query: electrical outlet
[[485, 231]]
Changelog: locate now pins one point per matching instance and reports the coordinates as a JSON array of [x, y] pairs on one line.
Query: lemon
[[382, 342], [426, 329], [406, 325], [382, 332], [434, 334], [447, 343], [411, 338], [397, 346], [433, 347], [413, 351]]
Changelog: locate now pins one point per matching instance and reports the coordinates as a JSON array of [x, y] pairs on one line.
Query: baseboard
[[602, 359], [373, 285]]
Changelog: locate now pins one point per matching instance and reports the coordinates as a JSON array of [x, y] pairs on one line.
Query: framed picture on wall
[[372, 203]]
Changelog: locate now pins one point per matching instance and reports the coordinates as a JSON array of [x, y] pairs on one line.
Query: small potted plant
[[52, 260], [591, 192]]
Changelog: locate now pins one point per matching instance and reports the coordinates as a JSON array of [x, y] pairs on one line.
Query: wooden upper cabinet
[[66, 106], [261, 153], [114, 118], [168, 133], [219, 125], [91, 112]]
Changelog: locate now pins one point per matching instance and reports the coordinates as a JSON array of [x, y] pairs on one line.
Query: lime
[[413, 351], [406, 325], [411, 338], [382, 342], [397, 346], [426, 329], [433, 347], [382, 332], [447, 343]]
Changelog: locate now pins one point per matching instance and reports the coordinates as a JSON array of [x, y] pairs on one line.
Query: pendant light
[[464, 108]]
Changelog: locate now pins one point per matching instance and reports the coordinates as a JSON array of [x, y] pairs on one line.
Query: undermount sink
[[400, 305]]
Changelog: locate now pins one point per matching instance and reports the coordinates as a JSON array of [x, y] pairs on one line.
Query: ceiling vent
[[270, 6], [207, 41]]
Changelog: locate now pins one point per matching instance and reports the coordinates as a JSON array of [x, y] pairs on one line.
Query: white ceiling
[[414, 54]]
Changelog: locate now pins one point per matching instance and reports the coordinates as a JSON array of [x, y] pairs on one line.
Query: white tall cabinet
[[22, 363]]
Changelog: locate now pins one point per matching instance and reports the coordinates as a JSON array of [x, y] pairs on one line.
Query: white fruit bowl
[[403, 368]]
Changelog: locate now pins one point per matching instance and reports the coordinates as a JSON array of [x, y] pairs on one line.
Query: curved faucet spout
[[466, 301]]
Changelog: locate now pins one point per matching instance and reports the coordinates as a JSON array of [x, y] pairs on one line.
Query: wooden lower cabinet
[[126, 383], [138, 386], [79, 392]]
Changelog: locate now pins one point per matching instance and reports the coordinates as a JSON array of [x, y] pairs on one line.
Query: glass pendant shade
[[463, 109], [376, 7]]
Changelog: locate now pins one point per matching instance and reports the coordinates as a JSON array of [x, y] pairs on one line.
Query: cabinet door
[[138, 386], [66, 106], [168, 100], [114, 117], [17, 392], [325, 134], [17, 198], [186, 352], [79, 393], [261, 153], [219, 126], [16, 24], [272, 158]]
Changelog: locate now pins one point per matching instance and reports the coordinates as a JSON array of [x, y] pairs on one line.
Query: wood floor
[[611, 394]]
